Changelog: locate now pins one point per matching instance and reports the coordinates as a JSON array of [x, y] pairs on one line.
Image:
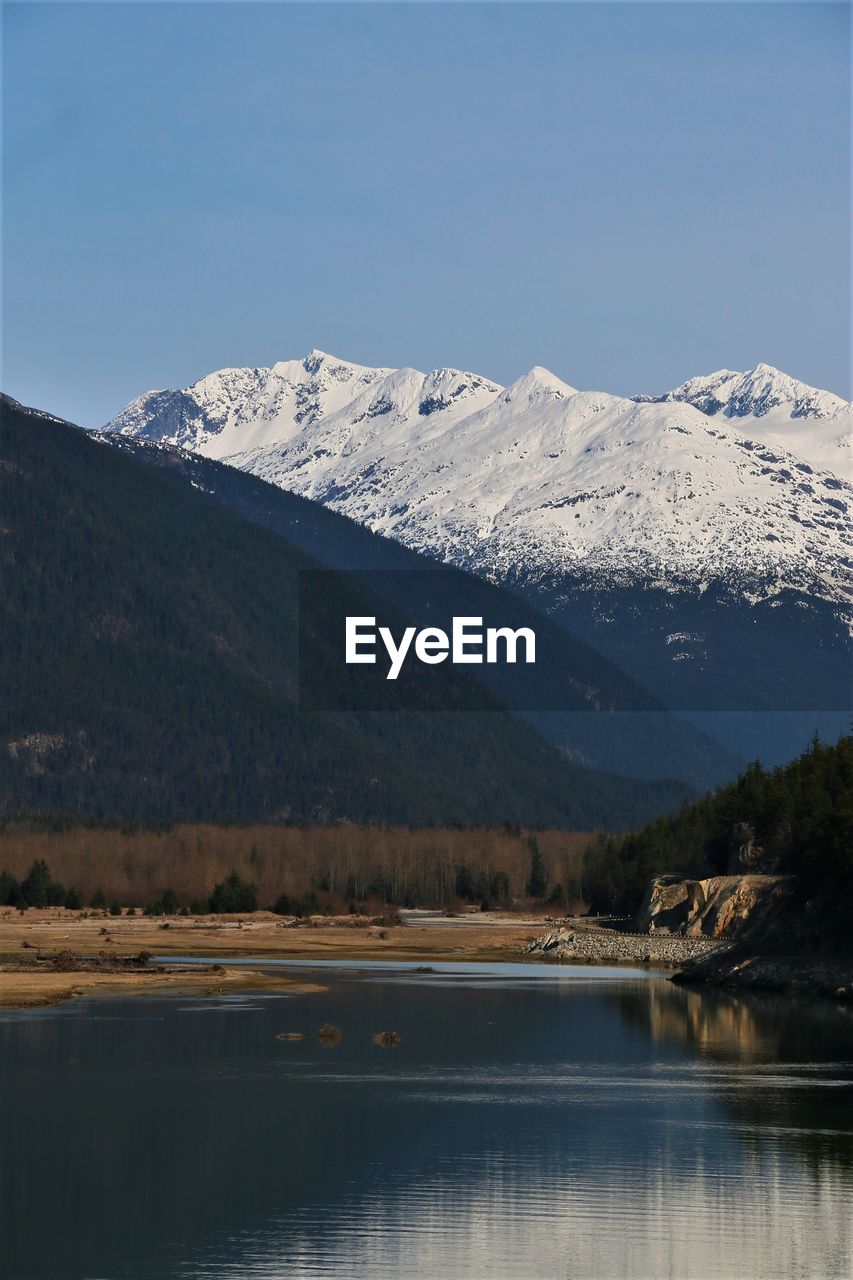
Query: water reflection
[[746, 1027], [789, 1061], [573, 1129]]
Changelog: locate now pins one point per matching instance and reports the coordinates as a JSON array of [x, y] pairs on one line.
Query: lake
[[533, 1121]]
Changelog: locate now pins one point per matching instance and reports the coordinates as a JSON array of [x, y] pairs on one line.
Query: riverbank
[[581, 943], [715, 962], [31, 981], [736, 970], [31, 942]]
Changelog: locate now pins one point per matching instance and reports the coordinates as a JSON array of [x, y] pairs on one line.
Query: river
[[533, 1121]]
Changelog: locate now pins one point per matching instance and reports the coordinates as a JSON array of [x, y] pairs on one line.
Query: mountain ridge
[[681, 485], [704, 552]]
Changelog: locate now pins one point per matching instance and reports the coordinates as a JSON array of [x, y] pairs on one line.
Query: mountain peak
[[538, 384], [755, 393], [315, 357], [455, 388]]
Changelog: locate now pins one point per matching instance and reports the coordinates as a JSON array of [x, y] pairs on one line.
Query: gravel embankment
[[607, 946]]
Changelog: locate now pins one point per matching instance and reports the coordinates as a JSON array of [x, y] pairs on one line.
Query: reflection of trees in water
[[791, 1060]]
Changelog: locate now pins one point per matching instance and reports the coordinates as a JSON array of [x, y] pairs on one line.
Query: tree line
[[295, 871], [798, 820]]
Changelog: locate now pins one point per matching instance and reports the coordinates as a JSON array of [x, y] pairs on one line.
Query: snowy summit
[[737, 476]]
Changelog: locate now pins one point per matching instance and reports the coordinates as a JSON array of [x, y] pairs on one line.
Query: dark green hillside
[[148, 672], [578, 699], [798, 819]]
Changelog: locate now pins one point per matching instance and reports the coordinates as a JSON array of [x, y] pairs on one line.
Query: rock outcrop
[[726, 907]]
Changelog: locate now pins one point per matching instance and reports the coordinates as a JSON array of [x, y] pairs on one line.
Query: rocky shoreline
[[738, 969], [609, 946], [699, 961]]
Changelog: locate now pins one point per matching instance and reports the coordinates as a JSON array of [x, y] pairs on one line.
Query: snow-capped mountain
[[235, 411], [761, 391], [779, 409], [741, 478]]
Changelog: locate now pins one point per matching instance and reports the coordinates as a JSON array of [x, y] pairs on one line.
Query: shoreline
[[42, 983], [579, 943], [700, 962], [738, 969], [50, 955]]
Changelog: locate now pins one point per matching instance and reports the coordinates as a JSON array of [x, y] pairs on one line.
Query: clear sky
[[629, 194]]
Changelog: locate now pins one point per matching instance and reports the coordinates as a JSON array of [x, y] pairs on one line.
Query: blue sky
[[628, 194]]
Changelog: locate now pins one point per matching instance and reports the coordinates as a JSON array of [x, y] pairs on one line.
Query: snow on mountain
[[756, 393], [234, 409], [726, 477], [537, 386], [777, 409]]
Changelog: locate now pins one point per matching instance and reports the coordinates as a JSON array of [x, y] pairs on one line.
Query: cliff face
[[720, 907]]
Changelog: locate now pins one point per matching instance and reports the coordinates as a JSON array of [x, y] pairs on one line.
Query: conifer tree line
[[798, 818], [38, 889]]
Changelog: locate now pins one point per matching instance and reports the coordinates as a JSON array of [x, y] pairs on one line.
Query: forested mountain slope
[[149, 672], [579, 700]]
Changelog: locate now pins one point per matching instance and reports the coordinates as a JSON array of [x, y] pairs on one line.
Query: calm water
[[589, 1125]]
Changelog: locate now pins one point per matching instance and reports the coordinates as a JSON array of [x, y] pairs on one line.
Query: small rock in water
[[329, 1035], [387, 1039]]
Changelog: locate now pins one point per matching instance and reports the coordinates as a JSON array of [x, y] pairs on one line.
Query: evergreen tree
[[538, 881], [233, 895], [169, 903], [9, 890], [39, 890]]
